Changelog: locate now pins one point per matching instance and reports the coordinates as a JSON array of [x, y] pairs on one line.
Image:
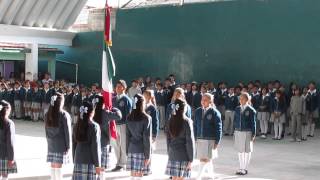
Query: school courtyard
[[276, 160]]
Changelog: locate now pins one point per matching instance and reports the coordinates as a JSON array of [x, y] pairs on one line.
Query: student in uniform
[[181, 144], [139, 128], [312, 105], [178, 94], [231, 103], [296, 110], [87, 145], [304, 119], [160, 99], [27, 99], [245, 132], [222, 94], [278, 109], [36, 103], [124, 103], [17, 96], [75, 105], [46, 98], [263, 115], [102, 116], [58, 134], [69, 95], [7, 142], [208, 133]]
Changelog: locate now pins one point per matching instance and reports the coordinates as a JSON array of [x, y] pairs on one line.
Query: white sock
[[101, 176], [201, 170], [58, 174], [211, 169], [247, 160], [280, 130], [313, 125], [53, 173], [241, 160]]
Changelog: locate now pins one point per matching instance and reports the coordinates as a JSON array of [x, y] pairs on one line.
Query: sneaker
[[117, 168]]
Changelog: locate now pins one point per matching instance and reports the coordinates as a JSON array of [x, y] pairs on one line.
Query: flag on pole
[[108, 70]]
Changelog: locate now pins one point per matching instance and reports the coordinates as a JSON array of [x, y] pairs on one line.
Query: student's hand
[[146, 162], [253, 138], [10, 164], [189, 166], [98, 170], [215, 146]]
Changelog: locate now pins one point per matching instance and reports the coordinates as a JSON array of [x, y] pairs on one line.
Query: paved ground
[[281, 160]]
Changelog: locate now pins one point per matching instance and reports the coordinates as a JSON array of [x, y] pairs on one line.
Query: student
[[207, 132], [17, 96], [181, 146], [124, 103], [103, 117], [134, 89], [87, 145], [296, 110], [27, 100], [139, 128], [75, 105], [58, 134], [36, 103], [46, 98], [312, 105], [178, 94], [304, 118], [231, 102], [160, 99], [7, 137], [263, 115], [245, 132], [222, 94], [278, 109], [68, 95], [151, 110]]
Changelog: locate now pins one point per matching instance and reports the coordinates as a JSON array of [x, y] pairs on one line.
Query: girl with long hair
[[138, 139], [87, 145], [58, 134], [102, 116], [181, 146], [7, 142]]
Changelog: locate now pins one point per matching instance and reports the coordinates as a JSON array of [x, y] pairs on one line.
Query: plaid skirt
[[5, 169], [59, 158], [178, 169], [84, 172], [135, 162], [105, 158]]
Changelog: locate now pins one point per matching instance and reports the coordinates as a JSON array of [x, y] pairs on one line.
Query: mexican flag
[[108, 70]]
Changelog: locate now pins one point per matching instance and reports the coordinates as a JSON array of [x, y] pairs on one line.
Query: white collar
[[312, 92], [230, 95], [243, 107]]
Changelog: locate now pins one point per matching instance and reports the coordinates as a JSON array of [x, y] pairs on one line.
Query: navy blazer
[[209, 125], [246, 120]]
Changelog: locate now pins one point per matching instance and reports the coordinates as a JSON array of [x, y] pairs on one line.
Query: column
[[31, 63]]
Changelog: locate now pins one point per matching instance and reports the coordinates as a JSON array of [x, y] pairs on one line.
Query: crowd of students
[[193, 116]]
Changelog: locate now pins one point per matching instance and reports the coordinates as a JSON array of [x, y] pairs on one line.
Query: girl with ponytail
[[102, 117], [138, 139], [7, 141], [58, 134], [87, 145]]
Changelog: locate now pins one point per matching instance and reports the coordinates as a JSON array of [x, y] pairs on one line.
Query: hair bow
[[135, 101], [53, 99], [82, 111]]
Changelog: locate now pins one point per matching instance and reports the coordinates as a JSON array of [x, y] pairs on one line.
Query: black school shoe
[[117, 168]]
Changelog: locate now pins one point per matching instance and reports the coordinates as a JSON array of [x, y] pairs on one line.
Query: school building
[[197, 40]]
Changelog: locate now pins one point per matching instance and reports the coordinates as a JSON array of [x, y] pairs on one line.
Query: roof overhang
[[30, 35]]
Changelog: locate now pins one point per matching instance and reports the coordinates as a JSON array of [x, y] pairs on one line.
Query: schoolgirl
[[208, 133], [263, 115], [304, 118], [87, 145], [231, 102], [36, 103], [27, 100], [278, 111], [58, 134], [245, 132], [139, 128], [102, 117], [181, 144], [161, 104], [7, 142], [312, 103], [75, 105], [296, 110]]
